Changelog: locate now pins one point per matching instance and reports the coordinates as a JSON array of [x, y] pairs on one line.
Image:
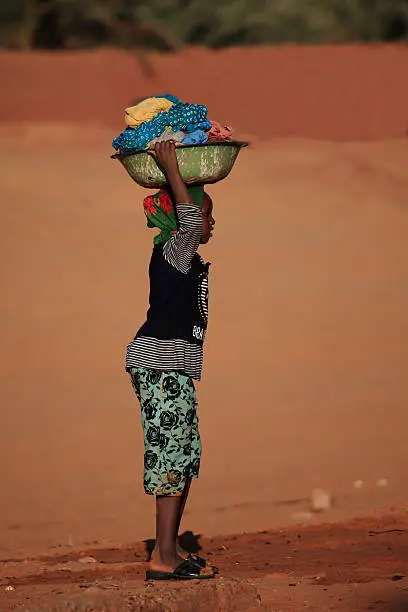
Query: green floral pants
[[170, 427]]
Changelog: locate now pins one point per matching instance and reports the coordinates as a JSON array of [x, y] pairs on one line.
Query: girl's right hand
[[165, 154]]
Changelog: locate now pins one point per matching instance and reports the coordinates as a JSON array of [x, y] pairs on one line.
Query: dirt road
[[358, 565]]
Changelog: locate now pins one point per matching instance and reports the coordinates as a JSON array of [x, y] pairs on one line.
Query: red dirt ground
[[330, 92], [359, 565]]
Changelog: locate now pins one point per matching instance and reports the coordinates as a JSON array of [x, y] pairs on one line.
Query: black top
[[178, 301]]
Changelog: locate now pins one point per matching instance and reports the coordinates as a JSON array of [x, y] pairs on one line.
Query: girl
[[166, 356]]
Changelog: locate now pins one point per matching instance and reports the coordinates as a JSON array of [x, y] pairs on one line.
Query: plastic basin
[[199, 164]]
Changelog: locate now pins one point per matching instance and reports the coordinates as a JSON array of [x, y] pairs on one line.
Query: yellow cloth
[[146, 110]]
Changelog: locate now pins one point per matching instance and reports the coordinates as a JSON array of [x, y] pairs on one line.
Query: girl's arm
[[165, 153], [181, 248]]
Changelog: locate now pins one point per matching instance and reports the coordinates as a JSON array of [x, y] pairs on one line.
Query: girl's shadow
[[188, 540]]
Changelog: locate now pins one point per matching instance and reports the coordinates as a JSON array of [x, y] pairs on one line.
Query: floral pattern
[[170, 426], [149, 206], [166, 203]]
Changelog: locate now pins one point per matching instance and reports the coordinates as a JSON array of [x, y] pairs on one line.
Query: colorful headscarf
[[160, 212]]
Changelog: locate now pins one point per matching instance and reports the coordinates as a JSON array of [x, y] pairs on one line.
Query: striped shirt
[[175, 353]]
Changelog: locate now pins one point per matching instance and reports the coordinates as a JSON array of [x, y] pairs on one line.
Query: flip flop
[[187, 570], [201, 562]]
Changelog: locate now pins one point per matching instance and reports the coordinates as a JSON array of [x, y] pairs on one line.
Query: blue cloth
[[193, 127], [179, 117], [197, 137]]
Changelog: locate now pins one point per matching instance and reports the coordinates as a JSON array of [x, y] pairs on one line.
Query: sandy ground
[[305, 374]]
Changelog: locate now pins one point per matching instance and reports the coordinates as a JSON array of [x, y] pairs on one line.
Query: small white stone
[[383, 482], [87, 560], [321, 500], [93, 590], [9, 588], [301, 517], [358, 484]]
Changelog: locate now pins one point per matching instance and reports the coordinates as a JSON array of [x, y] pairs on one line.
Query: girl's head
[[161, 213], [208, 219]]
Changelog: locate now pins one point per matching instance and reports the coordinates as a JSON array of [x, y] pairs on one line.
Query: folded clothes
[[194, 138], [146, 110], [219, 132], [180, 116]]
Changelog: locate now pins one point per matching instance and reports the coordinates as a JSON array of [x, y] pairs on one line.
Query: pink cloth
[[219, 132]]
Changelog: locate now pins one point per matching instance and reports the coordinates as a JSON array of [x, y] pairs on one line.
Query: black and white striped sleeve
[[181, 248]]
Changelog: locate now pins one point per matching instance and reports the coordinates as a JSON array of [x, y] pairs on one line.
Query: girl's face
[[208, 219]]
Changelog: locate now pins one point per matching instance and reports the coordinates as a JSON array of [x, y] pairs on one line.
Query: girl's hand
[[165, 154]]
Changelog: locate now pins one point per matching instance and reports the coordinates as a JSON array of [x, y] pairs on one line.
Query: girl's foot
[[187, 570], [180, 551], [196, 559], [169, 564]]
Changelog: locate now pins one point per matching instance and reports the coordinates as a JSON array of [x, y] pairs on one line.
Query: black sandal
[[201, 562], [187, 570]]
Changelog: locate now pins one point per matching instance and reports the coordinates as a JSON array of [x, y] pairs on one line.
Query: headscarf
[[160, 212]]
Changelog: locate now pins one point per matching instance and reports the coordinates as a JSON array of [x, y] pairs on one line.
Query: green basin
[[199, 164]]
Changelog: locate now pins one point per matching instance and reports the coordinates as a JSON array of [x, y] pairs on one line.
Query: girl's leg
[[165, 556], [195, 454], [184, 497], [170, 431]]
